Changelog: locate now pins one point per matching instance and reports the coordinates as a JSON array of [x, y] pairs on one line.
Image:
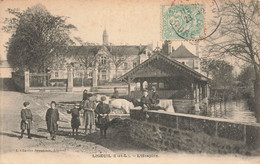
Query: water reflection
[[233, 110]]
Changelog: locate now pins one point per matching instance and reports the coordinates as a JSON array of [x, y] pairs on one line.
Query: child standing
[[75, 121], [26, 122], [52, 116], [103, 110]]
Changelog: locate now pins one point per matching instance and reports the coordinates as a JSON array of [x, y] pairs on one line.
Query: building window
[[56, 74], [125, 65], [103, 60], [104, 74]]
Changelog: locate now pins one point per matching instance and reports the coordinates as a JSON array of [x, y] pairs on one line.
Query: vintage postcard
[[129, 81]]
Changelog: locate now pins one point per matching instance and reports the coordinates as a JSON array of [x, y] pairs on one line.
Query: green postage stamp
[[182, 22]]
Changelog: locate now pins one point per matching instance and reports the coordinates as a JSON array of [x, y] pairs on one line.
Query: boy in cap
[[75, 121], [52, 117], [26, 122], [103, 110]]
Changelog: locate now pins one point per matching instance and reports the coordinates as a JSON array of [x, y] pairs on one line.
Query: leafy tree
[[239, 36], [37, 36], [246, 77], [221, 73], [119, 55]]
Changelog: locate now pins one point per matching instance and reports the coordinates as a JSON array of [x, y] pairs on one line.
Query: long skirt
[[75, 122], [89, 118]]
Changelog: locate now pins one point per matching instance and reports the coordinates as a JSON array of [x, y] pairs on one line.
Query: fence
[[44, 80], [82, 82]]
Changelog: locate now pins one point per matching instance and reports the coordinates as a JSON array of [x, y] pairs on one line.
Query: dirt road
[[11, 106]]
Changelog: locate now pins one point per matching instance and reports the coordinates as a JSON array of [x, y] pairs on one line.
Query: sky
[[128, 22]]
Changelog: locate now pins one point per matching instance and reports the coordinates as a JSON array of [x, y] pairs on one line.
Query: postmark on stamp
[[183, 22]]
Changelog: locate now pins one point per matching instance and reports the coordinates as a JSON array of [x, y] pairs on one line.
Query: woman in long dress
[[89, 115]]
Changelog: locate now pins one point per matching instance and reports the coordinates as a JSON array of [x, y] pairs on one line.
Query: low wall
[[19, 81], [191, 133]]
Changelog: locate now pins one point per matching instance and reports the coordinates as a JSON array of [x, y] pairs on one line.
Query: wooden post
[[26, 81], [200, 92], [157, 85], [197, 93], [129, 86], [141, 85], [207, 90], [192, 91]]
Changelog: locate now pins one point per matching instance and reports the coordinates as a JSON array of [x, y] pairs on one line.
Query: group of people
[[150, 102], [52, 117], [94, 115]]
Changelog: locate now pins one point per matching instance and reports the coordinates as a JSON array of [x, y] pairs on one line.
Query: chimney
[[169, 44], [140, 47]]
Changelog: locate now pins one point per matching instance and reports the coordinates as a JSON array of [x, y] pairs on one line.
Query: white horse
[[122, 104]]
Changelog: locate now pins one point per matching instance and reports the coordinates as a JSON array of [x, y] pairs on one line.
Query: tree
[[37, 37], [220, 72], [239, 36], [120, 54], [246, 77]]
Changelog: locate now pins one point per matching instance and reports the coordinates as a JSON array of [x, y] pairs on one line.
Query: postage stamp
[[182, 22]]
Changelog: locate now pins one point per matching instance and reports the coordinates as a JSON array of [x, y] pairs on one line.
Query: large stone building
[[111, 61]]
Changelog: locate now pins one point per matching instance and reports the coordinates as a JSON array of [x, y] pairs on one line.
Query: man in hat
[[52, 117], [145, 101], [103, 110], [115, 94], [27, 118], [75, 121]]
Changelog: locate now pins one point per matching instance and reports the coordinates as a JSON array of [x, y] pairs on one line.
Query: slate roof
[[93, 50], [172, 62], [182, 52]]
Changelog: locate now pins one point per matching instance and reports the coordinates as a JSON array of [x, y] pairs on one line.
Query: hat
[[26, 103], [103, 98]]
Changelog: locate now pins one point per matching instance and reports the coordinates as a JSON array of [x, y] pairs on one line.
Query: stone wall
[[191, 133]]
